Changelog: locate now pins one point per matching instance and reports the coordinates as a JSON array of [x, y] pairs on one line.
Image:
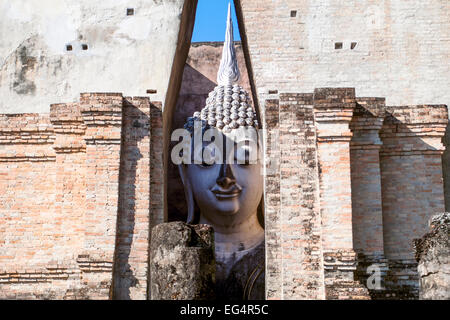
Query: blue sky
[[210, 21]]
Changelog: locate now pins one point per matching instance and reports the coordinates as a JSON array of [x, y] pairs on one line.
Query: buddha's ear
[[182, 169]]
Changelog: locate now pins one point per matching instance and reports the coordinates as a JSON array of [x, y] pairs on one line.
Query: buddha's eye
[[208, 157], [243, 156], [205, 165]]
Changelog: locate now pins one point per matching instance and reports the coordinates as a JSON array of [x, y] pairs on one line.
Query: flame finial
[[228, 71]]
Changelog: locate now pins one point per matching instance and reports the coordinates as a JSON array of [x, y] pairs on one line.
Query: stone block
[[182, 262]]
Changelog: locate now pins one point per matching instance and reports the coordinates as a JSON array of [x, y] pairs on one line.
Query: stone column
[[183, 265], [271, 115], [102, 115], [433, 256], [333, 110], [157, 214], [299, 212], [367, 218], [293, 229], [412, 185], [131, 265], [70, 197], [156, 165]]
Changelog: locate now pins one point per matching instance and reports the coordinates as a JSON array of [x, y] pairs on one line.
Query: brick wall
[[308, 223], [131, 260], [330, 151], [157, 214], [367, 219], [411, 174], [272, 201], [333, 112], [400, 52], [75, 200], [367, 215], [292, 218], [37, 66], [26, 153], [103, 117], [299, 217], [81, 188], [412, 185], [393, 49]]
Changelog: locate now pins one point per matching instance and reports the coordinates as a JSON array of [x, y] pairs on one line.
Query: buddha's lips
[[228, 193]]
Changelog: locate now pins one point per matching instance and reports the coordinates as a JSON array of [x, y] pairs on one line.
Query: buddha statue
[[227, 193]]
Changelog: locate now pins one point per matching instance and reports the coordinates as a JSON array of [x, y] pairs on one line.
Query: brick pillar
[[446, 167], [132, 253], [102, 114], [367, 215], [333, 110], [273, 283], [300, 214], [156, 171], [293, 229], [412, 185], [70, 197], [156, 165]]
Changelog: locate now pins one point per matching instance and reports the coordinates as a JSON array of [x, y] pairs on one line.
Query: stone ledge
[[65, 112], [417, 114]]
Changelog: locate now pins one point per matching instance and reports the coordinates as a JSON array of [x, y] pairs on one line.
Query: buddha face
[[227, 193]]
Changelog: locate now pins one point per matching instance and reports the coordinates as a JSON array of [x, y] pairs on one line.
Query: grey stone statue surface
[[433, 257], [227, 193]]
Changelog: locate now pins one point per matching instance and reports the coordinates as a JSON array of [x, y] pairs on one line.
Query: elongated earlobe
[[188, 193], [260, 213]]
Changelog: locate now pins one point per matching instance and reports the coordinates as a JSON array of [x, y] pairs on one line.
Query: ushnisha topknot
[[228, 106], [228, 70]]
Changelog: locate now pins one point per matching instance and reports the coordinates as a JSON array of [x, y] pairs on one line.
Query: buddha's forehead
[[242, 134], [239, 135]]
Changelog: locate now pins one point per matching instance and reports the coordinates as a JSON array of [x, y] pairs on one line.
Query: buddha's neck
[[231, 237]]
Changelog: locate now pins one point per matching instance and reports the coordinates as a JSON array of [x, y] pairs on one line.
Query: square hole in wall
[[69, 47], [353, 45], [338, 45], [130, 12], [273, 91], [293, 13], [84, 46]]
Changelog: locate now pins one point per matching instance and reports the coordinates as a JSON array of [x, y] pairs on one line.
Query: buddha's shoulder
[[248, 272]]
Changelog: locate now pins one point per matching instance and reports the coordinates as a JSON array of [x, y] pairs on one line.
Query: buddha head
[[224, 184]]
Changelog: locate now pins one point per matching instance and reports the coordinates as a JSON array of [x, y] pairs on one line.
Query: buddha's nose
[[226, 178]]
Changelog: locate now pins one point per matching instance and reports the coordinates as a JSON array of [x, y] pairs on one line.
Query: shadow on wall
[[136, 127], [194, 91], [396, 186], [410, 171], [411, 179]]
